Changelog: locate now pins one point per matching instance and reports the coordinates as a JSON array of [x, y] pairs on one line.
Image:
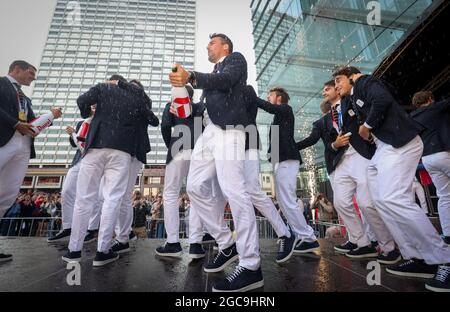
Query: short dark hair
[[117, 77], [281, 92], [138, 83], [346, 71], [22, 64], [330, 83], [422, 97], [190, 90], [225, 39]]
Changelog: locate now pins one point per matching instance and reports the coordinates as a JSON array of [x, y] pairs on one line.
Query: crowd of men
[[372, 150]]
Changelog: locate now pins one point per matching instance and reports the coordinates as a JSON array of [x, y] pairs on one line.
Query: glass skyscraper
[[299, 42], [88, 41]]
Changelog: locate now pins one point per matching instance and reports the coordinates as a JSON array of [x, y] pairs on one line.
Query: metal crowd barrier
[[47, 227]]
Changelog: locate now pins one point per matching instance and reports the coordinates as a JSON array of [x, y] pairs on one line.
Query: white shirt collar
[[12, 80], [351, 92], [221, 60]]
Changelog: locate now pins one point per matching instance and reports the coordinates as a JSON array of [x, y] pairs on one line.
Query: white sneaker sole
[[63, 239], [104, 262], [169, 254], [390, 261], [90, 241], [437, 289], [197, 256], [221, 268], [122, 251], [243, 289], [68, 260], [299, 252], [341, 251], [407, 274], [369, 255]]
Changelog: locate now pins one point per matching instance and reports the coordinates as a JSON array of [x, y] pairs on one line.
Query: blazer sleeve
[[166, 125], [87, 99], [313, 138], [271, 108], [6, 118], [235, 67], [380, 99]]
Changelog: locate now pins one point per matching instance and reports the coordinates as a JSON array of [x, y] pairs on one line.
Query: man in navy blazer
[[16, 133], [220, 153], [435, 118], [390, 175]]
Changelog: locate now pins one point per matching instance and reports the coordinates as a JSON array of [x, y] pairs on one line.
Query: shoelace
[[443, 273], [281, 242], [407, 263], [235, 274], [220, 253]]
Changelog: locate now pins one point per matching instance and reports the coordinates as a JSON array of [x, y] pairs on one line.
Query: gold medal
[[22, 116]]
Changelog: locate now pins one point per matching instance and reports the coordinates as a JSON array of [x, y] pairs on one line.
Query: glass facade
[[298, 43], [88, 41]]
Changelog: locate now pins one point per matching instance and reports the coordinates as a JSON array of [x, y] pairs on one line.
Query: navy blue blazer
[[223, 91], [9, 113], [170, 121], [435, 118], [373, 103], [117, 114], [322, 129], [252, 112], [350, 124], [78, 154], [284, 119]]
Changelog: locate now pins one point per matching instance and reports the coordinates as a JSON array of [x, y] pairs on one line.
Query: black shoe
[[374, 244], [196, 251], [216, 247], [208, 239], [344, 248], [120, 247], [90, 236], [72, 256], [5, 257], [169, 250], [222, 260], [306, 247], [446, 239], [132, 237], [102, 258], [392, 257], [63, 235], [286, 248], [441, 281], [414, 268], [240, 280], [363, 252]]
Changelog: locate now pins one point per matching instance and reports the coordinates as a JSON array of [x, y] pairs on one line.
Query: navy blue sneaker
[[446, 239], [441, 281], [5, 257], [63, 235], [286, 246], [346, 247], [90, 236], [240, 280], [72, 256], [363, 252], [169, 250], [102, 258], [306, 247], [132, 237], [208, 239], [222, 260], [392, 257], [120, 247], [414, 268], [196, 251]]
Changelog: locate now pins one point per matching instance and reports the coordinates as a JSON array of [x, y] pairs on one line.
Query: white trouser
[[259, 199], [438, 166], [14, 158], [350, 179], [125, 219], [113, 166], [418, 190], [176, 171], [390, 175], [221, 153], [68, 196], [285, 187]]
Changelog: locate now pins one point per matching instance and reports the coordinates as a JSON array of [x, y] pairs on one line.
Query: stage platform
[[37, 266]]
